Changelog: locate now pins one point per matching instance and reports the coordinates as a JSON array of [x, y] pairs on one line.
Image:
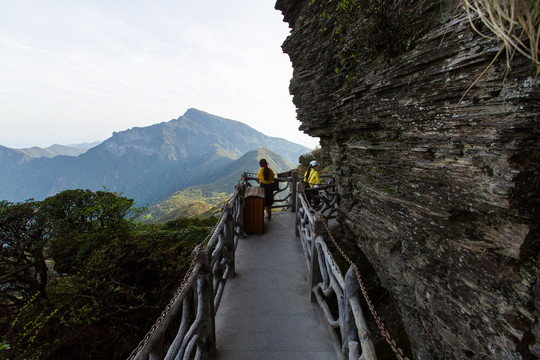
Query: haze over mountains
[[147, 164]]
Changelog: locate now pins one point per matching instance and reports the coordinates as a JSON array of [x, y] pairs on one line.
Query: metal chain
[[187, 275], [380, 324]]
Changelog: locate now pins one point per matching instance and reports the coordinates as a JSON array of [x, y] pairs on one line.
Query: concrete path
[[266, 312]]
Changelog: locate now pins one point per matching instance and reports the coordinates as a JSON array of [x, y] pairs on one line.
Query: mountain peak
[[192, 111]]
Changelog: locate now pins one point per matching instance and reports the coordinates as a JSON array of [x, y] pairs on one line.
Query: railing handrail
[[349, 330], [212, 264], [327, 280], [290, 178]]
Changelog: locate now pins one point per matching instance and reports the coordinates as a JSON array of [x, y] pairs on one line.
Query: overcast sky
[[74, 71]]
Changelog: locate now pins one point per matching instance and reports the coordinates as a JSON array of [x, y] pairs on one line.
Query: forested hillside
[[202, 199], [80, 280]]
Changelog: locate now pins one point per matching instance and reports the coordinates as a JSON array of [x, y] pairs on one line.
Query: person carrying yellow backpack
[[311, 180], [311, 177]]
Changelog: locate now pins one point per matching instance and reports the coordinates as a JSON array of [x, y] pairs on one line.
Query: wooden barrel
[[254, 210]]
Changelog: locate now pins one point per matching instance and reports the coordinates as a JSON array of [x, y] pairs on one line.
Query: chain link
[[380, 324]]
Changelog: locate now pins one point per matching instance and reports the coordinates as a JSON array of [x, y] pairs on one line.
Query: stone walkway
[[266, 312]]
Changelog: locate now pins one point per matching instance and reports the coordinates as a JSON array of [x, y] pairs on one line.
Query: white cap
[[313, 163]]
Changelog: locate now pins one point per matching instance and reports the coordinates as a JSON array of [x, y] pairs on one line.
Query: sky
[[75, 71]]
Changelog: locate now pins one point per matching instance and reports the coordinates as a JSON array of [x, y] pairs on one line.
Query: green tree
[[323, 158], [22, 259], [79, 220]]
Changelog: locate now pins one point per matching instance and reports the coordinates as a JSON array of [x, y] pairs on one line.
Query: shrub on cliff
[[324, 160]]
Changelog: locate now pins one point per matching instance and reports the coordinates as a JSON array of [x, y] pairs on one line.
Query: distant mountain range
[[197, 151], [10, 157]]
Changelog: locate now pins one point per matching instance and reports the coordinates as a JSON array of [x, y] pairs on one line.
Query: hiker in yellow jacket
[[311, 180], [311, 177], [266, 179]]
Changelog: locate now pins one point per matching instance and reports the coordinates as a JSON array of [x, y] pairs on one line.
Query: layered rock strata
[[441, 195]]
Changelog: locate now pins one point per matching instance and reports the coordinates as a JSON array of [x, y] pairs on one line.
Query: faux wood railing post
[[355, 335], [228, 251], [241, 204], [157, 349], [299, 188], [207, 329], [348, 336], [294, 182], [315, 267]]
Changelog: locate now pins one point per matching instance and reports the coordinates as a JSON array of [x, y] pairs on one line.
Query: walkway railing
[[328, 285], [186, 328], [285, 188]]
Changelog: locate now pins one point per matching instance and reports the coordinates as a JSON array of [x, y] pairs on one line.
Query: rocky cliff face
[[441, 196]]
